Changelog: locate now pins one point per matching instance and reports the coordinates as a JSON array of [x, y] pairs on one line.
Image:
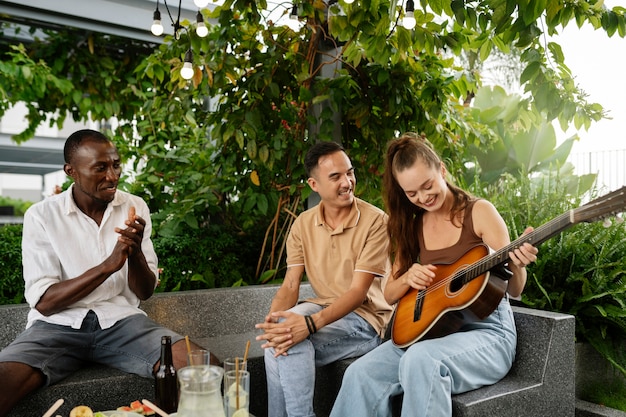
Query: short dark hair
[[316, 152], [75, 139]]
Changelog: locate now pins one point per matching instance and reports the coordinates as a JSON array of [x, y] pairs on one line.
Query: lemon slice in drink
[[232, 390], [241, 413]]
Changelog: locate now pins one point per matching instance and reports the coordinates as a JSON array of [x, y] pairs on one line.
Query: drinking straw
[[245, 355], [237, 383], [188, 349], [54, 407], [245, 358]]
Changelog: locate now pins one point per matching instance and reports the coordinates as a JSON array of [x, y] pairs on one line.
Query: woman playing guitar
[[432, 224]]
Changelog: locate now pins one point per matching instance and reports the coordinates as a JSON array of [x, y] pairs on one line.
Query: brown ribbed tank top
[[467, 241]]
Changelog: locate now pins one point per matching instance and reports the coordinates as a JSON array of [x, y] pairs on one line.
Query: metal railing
[[609, 165]]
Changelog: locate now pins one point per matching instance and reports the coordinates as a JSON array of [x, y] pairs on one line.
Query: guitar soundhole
[[457, 283]]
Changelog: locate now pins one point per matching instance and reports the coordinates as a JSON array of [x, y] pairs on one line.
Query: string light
[[201, 29], [187, 70], [409, 17], [157, 27]]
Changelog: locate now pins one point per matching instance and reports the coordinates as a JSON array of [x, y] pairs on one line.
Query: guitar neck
[[536, 237]]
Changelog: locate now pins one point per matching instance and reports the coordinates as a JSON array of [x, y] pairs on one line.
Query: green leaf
[[252, 149], [264, 153], [239, 138], [530, 72], [262, 203]]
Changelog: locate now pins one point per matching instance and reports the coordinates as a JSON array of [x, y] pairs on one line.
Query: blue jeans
[[429, 371], [291, 378]]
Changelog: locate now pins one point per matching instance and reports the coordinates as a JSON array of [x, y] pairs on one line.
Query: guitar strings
[[483, 264]]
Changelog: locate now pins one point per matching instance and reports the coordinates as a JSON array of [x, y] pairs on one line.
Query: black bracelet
[[310, 324]]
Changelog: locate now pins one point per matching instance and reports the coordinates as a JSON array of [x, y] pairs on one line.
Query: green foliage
[[19, 206], [214, 257], [611, 394], [227, 146], [82, 74], [11, 278], [521, 143], [580, 271]]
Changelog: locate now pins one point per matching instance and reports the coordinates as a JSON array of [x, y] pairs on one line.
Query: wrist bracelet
[[310, 324]]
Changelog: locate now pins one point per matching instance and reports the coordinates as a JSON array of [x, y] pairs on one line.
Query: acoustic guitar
[[471, 288]]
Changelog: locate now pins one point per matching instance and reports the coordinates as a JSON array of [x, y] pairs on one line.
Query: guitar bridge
[[419, 302]]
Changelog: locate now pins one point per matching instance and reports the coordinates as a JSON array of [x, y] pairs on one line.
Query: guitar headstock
[[602, 207]]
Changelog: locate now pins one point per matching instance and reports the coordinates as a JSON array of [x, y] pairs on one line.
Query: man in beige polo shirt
[[341, 244]]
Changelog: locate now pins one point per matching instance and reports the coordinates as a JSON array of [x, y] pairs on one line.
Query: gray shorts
[[132, 345]]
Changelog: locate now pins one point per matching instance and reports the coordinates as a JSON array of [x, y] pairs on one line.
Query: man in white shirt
[[88, 261]]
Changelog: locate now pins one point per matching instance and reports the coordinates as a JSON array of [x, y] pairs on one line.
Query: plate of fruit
[[116, 413], [136, 408], [84, 411]]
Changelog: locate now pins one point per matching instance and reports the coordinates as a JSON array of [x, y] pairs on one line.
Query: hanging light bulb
[[201, 3], [187, 70], [294, 13], [157, 27], [409, 17], [201, 29]]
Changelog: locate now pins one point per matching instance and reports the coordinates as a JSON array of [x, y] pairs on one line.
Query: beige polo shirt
[[330, 257]]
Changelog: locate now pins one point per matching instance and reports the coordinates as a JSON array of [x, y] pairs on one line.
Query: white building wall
[[33, 187]]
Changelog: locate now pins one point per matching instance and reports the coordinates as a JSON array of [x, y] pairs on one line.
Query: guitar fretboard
[[537, 236]]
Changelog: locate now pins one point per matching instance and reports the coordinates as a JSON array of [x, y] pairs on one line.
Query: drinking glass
[[198, 357], [231, 364], [236, 393]]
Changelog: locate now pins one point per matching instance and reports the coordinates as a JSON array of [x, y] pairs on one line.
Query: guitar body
[[446, 304]]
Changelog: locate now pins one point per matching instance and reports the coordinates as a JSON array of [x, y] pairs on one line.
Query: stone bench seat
[[541, 382]]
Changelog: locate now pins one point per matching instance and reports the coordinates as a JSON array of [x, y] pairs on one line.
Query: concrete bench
[[541, 382]]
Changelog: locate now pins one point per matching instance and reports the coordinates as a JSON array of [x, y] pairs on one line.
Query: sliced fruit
[[147, 411], [81, 411], [136, 406]]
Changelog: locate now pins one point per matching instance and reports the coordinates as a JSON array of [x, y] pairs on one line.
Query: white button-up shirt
[[60, 242]]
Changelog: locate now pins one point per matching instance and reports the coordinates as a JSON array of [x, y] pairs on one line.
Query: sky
[[597, 63]]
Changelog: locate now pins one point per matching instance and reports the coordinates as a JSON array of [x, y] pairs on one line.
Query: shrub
[[211, 257], [11, 277], [19, 206], [579, 271]]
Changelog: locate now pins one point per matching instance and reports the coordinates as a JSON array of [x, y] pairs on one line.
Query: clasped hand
[[129, 239], [132, 236], [282, 330]]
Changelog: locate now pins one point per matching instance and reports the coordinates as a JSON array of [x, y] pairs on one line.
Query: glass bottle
[[165, 381]]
